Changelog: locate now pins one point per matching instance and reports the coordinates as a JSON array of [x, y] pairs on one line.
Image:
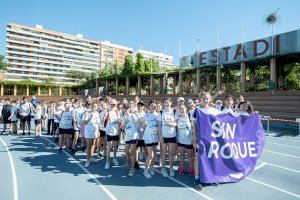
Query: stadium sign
[[285, 43]]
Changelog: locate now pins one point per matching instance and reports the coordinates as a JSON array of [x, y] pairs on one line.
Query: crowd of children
[[102, 125]]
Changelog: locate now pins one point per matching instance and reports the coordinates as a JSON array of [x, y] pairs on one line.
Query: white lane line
[[285, 168], [260, 166], [86, 171], [273, 187], [282, 138], [283, 154], [283, 145], [186, 186], [13, 171]]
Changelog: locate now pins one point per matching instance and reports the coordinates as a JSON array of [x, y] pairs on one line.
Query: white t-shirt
[[112, 127], [150, 133], [38, 113], [66, 120], [91, 130], [141, 120], [14, 110], [184, 126], [25, 109], [130, 127], [78, 114], [102, 120], [164, 117]]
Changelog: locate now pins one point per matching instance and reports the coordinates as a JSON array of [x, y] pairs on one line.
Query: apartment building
[[110, 53], [162, 59], [38, 54]]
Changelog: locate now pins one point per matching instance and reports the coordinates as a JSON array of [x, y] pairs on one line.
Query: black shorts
[[170, 140], [26, 118], [6, 121], [102, 133], [112, 138], [37, 121], [140, 143], [152, 144], [187, 146], [65, 131], [131, 142]]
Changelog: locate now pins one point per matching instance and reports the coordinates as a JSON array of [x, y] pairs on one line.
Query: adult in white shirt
[[129, 124], [37, 110], [77, 116], [50, 113], [13, 117], [25, 110], [167, 135], [151, 138], [91, 120]]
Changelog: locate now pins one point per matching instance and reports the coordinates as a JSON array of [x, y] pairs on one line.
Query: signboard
[[229, 145], [285, 43]]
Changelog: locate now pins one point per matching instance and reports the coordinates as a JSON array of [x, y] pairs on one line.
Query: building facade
[[110, 53], [38, 54], [162, 59]]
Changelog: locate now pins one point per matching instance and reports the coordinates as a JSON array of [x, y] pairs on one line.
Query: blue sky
[[153, 24]]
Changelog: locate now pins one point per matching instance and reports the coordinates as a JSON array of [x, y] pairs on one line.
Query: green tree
[[139, 65], [129, 67], [106, 71], [77, 76], [117, 69], [3, 65], [151, 66]]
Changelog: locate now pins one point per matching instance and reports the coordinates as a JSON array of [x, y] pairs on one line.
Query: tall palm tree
[[270, 20]]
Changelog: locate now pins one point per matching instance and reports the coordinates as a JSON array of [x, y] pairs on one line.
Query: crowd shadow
[[43, 155]]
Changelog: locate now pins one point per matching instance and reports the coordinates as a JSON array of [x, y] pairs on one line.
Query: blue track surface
[[43, 173]]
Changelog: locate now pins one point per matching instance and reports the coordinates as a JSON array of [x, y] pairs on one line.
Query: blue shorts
[[37, 121], [131, 142], [152, 144], [112, 138], [170, 140]]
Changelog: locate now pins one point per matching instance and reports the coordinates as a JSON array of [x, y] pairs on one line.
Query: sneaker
[[147, 174], [107, 165], [151, 171], [60, 149], [172, 172], [115, 161], [192, 171], [83, 149], [181, 170], [29, 133], [136, 165], [87, 163], [22, 133], [164, 172], [99, 156], [141, 156], [131, 172], [56, 140], [197, 184], [73, 151]]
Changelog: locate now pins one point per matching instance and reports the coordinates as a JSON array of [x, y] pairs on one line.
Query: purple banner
[[229, 145]]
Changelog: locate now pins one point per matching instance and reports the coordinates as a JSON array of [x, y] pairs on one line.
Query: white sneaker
[[131, 172], [147, 174], [164, 172], [107, 165], [151, 171], [115, 161], [172, 172], [87, 163]]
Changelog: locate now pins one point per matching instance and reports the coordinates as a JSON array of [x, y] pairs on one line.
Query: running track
[[31, 169]]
